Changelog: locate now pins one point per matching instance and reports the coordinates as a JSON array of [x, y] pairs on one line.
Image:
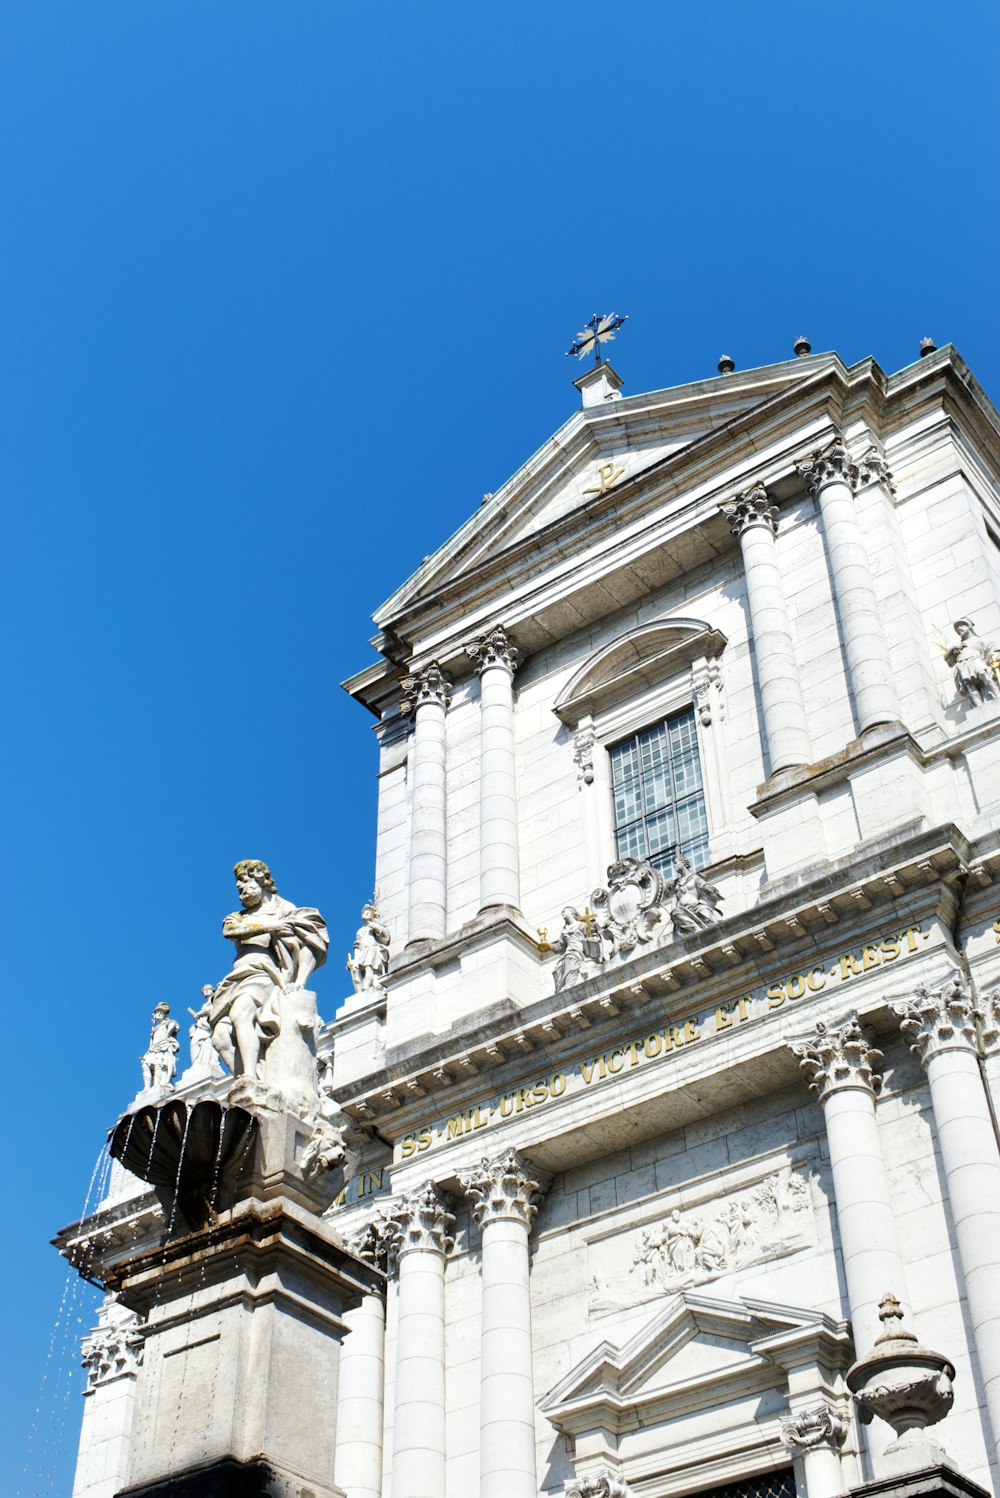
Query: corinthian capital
[[817, 1426], [428, 685], [423, 1222], [873, 469], [830, 465], [938, 1019], [493, 649], [753, 507], [838, 1056], [501, 1189], [599, 1484], [377, 1242]]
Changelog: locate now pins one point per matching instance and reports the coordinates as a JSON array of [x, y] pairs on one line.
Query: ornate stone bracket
[[600, 1484], [820, 1425], [938, 1019], [428, 685], [837, 1056], [752, 507], [583, 755], [830, 465], [501, 1189], [423, 1222], [493, 649]]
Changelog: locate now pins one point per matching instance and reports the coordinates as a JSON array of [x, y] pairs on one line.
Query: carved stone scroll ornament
[[631, 905], [428, 685], [583, 755], [832, 464], [493, 649], [938, 1019], [817, 1426], [501, 1189], [424, 1221], [837, 1056], [753, 507], [975, 664], [600, 1484]]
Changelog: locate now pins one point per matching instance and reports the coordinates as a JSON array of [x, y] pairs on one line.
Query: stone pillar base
[[230, 1478], [928, 1482]]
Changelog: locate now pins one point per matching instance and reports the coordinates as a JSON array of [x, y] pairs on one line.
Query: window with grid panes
[[658, 796]]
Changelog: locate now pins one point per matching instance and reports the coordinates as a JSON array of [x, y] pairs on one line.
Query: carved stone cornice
[[493, 649], [600, 1484], [428, 685], [838, 1056], [423, 1221], [938, 1019], [752, 507], [873, 469], [820, 1425], [830, 465], [501, 1190]]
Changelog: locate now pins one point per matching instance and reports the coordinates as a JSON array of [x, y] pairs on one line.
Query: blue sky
[[285, 287]]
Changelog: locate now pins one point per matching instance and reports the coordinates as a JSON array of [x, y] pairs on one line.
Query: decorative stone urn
[[906, 1385]]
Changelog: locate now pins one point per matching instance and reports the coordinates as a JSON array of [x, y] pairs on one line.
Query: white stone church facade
[[687, 1050]]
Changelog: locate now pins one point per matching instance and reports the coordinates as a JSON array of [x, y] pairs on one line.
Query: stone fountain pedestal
[[244, 1322]]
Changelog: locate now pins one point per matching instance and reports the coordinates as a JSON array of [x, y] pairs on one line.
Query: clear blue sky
[[286, 286]]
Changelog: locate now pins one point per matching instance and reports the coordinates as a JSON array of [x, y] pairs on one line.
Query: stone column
[[940, 1024], [502, 1193], [815, 1434], [499, 876], [418, 1448], [427, 699], [833, 478], [751, 518], [112, 1355], [838, 1061], [357, 1463]]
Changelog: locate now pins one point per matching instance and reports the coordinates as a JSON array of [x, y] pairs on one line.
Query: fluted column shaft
[[427, 700], [503, 1208], [360, 1400], [418, 1447], [499, 873], [751, 518], [832, 477], [940, 1024], [838, 1061]]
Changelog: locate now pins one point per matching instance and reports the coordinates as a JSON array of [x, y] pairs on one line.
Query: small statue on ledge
[[159, 1062], [975, 665], [205, 1059], [693, 902], [370, 962], [579, 944]]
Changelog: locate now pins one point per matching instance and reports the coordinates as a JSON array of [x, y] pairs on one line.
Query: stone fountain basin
[[192, 1153]]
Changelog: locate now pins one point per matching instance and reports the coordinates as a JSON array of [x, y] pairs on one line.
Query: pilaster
[[426, 697], [495, 659]]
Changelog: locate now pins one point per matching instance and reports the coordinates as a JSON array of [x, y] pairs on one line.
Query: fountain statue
[[159, 1061]]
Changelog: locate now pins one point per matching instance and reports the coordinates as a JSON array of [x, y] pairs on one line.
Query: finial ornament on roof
[[601, 328]]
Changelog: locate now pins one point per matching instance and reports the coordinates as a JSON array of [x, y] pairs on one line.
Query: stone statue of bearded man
[[278, 948]]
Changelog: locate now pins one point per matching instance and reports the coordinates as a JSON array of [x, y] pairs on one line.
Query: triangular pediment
[[692, 1346], [599, 452]]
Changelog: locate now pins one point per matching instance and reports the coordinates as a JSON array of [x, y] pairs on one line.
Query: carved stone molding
[[429, 685], [583, 755], [706, 688], [830, 465], [938, 1019], [493, 649], [114, 1348], [838, 1056], [817, 1426], [753, 507], [873, 469], [600, 1484], [424, 1222], [501, 1189]]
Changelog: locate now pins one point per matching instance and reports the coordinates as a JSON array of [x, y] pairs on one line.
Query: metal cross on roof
[[601, 328]]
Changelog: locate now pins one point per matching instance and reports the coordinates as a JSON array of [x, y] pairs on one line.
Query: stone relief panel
[[682, 1248]]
